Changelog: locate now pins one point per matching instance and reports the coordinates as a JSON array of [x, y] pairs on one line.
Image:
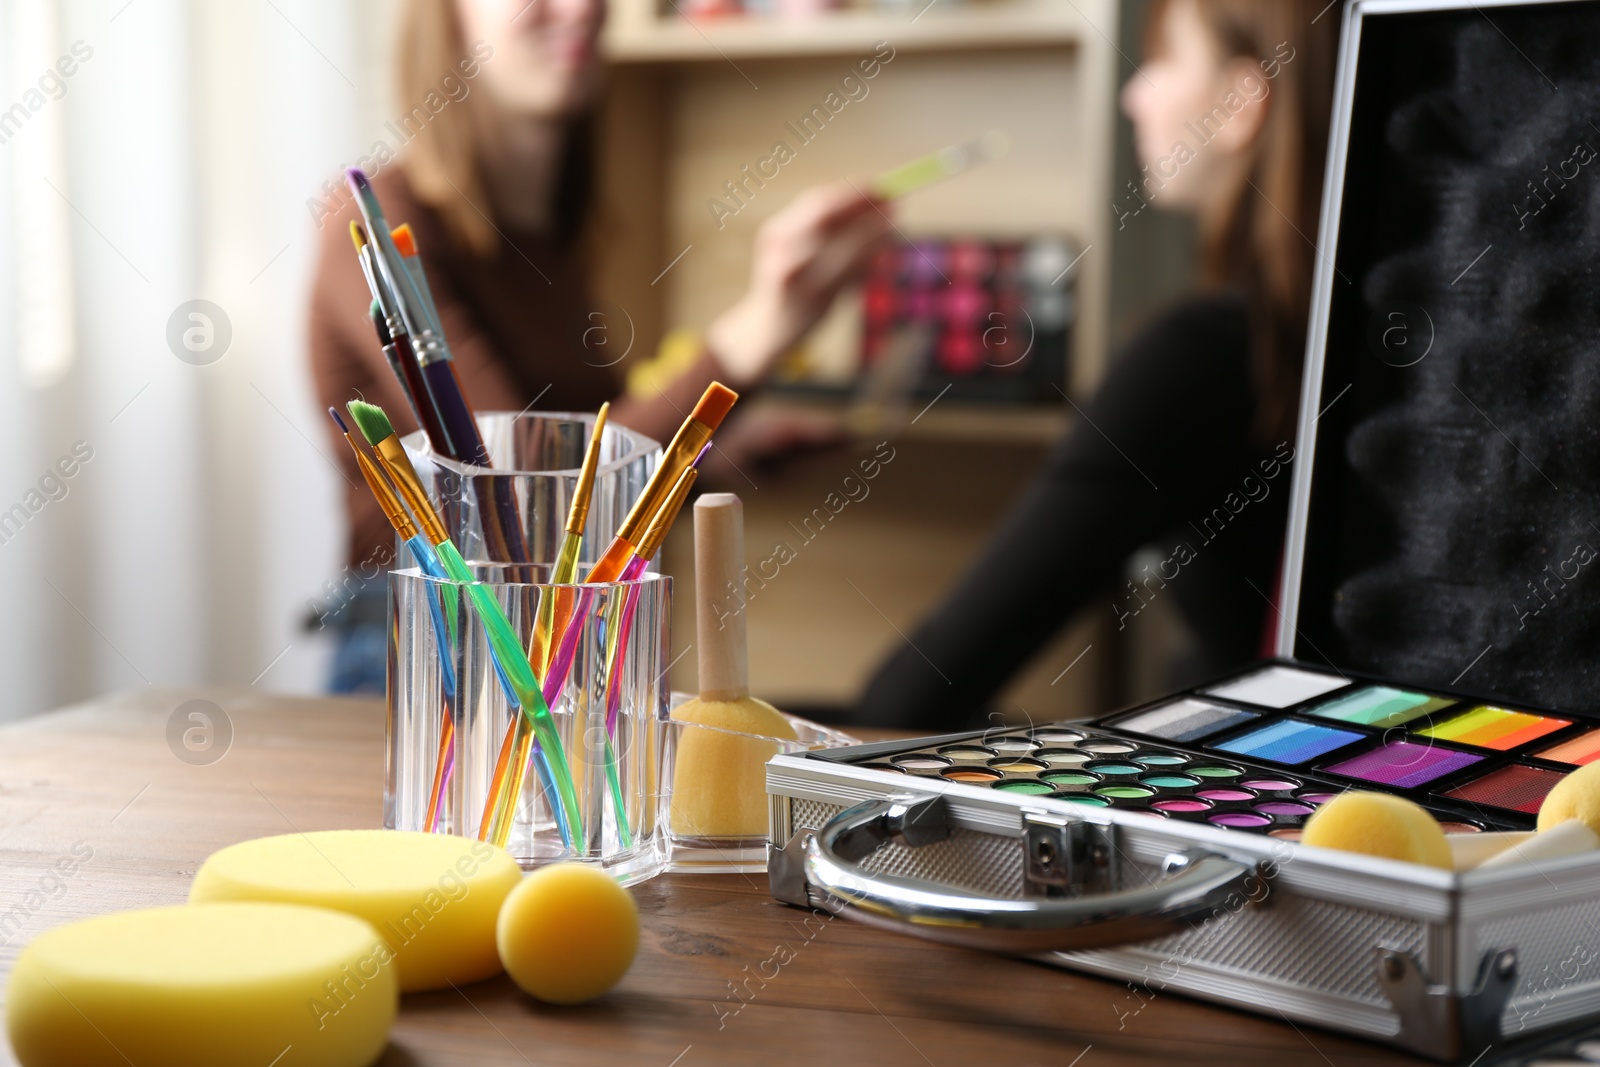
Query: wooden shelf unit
[[690, 103], [642, 36]]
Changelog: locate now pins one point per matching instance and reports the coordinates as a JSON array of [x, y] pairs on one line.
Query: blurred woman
[[1189, 441], [497, 183]]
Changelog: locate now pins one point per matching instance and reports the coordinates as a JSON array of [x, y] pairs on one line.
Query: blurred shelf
[[1003, 24], [1006, 425]]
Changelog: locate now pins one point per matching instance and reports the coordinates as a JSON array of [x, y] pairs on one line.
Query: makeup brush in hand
[[719, 774]]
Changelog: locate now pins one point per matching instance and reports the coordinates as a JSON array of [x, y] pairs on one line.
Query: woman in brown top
[[494, 178]]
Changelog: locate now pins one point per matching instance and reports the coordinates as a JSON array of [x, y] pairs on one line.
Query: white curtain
[[166, 513]]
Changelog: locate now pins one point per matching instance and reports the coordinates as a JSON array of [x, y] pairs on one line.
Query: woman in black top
[[1189, 442]]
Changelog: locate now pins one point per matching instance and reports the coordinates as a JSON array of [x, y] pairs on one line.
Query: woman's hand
[[804, 255]]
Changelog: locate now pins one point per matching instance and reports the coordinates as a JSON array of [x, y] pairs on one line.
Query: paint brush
[[463, 443], [566, 565], [535, 719], [618, 625], [395, 511], [397, 344], [688, 444], [937, 166]]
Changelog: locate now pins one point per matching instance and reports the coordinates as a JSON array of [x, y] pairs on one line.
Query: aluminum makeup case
[[1446, 481]]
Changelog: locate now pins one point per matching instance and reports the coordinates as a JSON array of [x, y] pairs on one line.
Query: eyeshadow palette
[[1444, 751], [1261, 751]]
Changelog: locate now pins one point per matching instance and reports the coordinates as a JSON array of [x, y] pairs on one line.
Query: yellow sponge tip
[[433, 897], [719, 776], [201, 986], [1377, 824], [568, 933], [1577, 796]]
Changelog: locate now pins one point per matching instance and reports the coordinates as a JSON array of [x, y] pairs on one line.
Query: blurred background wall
[[181, 161]]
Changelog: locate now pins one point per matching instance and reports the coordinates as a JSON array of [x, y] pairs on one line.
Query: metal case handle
[[1196, 887]]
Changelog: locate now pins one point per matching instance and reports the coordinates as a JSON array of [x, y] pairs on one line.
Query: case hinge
[[1437, 1021]]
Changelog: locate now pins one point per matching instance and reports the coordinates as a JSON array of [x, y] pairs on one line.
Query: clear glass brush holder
[[591, 785], [527, 490]]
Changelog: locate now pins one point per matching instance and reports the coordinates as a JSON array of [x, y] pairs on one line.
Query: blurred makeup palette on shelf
[[1260, 751], [967, 319]]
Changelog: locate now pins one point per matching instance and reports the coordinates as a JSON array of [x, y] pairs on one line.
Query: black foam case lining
[[1454, 526]]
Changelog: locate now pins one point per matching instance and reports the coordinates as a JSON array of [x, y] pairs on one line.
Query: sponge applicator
[[1377, 824], [433, 897], [719, 783], [201, 986]]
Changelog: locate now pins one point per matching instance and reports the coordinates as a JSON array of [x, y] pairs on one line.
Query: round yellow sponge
[[1377, 824], [719, 777], [202, 986], [1577, 796], [568, 933], [433, 897]]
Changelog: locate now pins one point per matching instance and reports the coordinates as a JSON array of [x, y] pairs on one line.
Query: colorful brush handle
[[508, 651], [444, 636]]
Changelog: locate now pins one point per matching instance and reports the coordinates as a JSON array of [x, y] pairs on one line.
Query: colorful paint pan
[[1404, 763], [1063, 759], [1112, 767], [921, 763], [1015, 765], [1270, 785], [1284, 807], [1125, 792], [1223, 795], [1181, 804], [1086, 798], [1184, 720], [1069, 778], [1495, 728], [966, 752], [1213, 771], [1290, 742], [1169, 781], [1161, 759], [1107, 747], [1034, 788], [1277, 687], [972, 775], [1057, 737], [1518, 787], [1239, 818], [1580, 750], [1379, 705], [1013, 746]]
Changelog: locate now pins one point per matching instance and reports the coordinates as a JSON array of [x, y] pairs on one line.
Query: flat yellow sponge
[[1377, 824], [719, 784], [433, 897], [207, 986], [1577, 796]]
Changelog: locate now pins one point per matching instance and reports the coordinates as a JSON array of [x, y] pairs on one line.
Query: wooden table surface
[[707, 988]]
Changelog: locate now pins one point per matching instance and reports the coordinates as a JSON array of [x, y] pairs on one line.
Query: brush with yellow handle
[[719, 773]]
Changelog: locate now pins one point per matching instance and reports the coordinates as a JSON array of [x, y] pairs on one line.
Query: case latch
[[1434, 1019], [1065, 856]]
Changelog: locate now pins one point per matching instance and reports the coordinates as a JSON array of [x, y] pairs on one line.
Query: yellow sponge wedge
[[209, 986], [719, 777], [1377, 824], [433, 897]]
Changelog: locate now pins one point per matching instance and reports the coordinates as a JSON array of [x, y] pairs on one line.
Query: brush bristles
[[358, 236], [370, 419], [404, 242], [338, 421]]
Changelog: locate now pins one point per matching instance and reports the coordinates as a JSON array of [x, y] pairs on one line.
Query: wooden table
[[725, 975]]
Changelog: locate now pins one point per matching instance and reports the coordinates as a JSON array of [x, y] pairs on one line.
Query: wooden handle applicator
[[719, 774]]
